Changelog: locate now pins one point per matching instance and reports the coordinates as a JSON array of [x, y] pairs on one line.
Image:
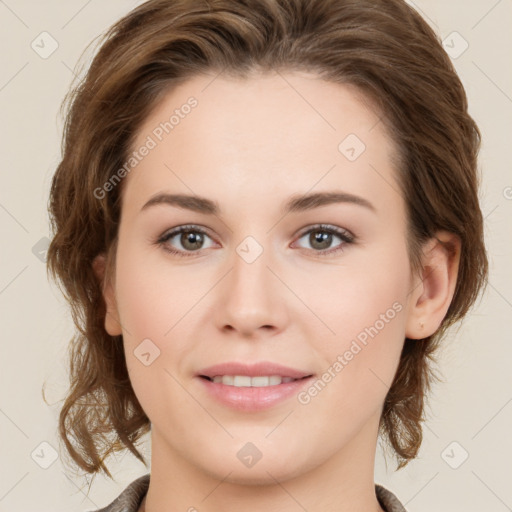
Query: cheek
[[365, 295], [158, 303], [359, 367], [153, 295], [369, 319]]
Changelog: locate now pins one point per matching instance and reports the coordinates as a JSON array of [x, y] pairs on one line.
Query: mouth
[[246, 381], [252, 387]]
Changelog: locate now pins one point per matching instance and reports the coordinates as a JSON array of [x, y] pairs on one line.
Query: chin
[[265, 471], [260, 475]]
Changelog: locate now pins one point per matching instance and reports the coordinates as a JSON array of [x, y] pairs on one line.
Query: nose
[[252, 299]]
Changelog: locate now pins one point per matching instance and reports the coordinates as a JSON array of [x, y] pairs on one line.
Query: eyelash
[[345, 236]]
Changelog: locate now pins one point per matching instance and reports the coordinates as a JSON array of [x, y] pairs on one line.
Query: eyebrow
[[296, 203]]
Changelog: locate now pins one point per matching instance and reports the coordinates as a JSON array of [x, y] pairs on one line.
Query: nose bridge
[[251, 299]]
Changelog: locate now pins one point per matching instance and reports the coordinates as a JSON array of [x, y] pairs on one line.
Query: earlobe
[[433, 291], [112, 323]]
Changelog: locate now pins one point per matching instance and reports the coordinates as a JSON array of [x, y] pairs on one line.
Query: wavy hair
[[383, 47]]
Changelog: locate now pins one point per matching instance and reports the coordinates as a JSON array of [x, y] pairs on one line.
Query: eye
[[191, 239], [321, 237]]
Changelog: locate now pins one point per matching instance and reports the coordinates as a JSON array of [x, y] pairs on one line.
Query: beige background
[[473, 408]]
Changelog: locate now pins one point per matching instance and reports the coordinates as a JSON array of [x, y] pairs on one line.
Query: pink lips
[[252, 370], [252, 398]]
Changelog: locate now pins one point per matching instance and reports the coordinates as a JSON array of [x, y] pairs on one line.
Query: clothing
[[131, 498]]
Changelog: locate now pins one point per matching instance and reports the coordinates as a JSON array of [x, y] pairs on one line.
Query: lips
[[253, 387], [260, 369]]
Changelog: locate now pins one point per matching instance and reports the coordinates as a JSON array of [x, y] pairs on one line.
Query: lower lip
[[251, 398]]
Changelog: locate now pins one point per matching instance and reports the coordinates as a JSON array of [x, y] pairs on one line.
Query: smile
[[246, 381]]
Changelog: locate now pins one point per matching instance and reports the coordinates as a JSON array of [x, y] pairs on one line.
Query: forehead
[[268, 133]]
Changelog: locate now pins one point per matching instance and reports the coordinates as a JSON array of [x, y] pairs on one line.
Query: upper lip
[[252, 370]]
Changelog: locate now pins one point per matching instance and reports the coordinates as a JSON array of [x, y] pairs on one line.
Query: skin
[[250, 145]]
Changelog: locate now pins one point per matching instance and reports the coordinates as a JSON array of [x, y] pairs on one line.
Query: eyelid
[[341, 232], [169, 233]]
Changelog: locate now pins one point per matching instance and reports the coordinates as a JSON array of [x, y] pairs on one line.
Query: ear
[[433, 290], [112, 323]]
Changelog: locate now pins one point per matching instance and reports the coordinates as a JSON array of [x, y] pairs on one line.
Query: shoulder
[[388, 501], [130, 499]]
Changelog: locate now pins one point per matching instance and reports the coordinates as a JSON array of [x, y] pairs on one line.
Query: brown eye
[[183, 240], [321, 239], [191, 240]]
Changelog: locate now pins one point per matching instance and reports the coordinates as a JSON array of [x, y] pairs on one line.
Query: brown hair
[[383, 47]]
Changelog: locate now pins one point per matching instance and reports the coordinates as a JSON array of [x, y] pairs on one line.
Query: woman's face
[[254, 282]]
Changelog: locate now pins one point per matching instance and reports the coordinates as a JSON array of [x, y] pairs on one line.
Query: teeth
[[240, 381]]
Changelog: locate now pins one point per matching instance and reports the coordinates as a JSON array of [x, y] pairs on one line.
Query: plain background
[[465, 463]]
